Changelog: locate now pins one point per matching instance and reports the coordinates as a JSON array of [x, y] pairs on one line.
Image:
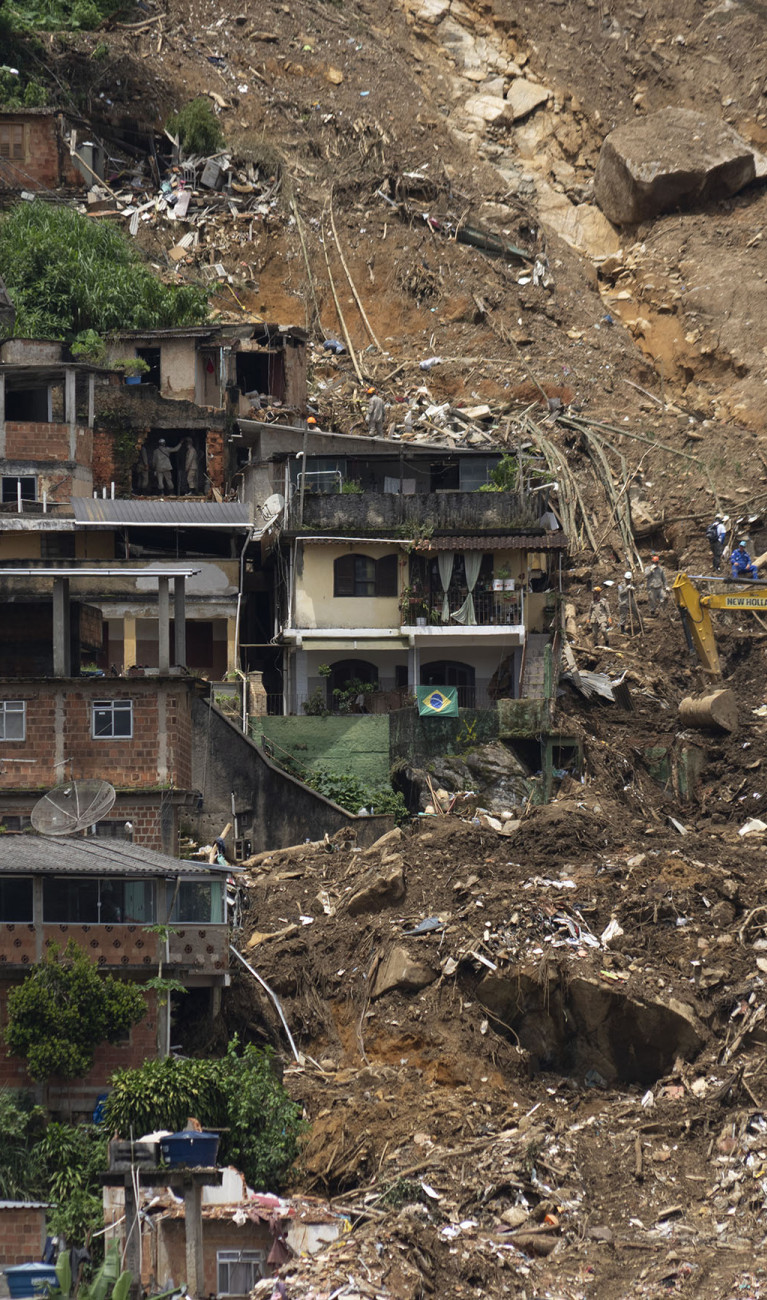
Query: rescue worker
[[628, 614], [740, 562], [655, 581], [716, 534], [161, 465], [376, 410], [599, 619]]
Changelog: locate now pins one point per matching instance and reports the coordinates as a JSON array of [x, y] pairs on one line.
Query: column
[[130, 652], [163, 613], [62, 657], [231, 645], [2, 417], [301, 681], [412, 666], [70, 409], [179, 619], [195, 1276], [91, 400], [132, 1236]]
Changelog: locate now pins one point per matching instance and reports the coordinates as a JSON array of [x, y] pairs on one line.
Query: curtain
[[445, 560], [472, 563]]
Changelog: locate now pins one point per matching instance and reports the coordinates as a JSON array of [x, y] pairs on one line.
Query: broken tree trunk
[[718, 711]]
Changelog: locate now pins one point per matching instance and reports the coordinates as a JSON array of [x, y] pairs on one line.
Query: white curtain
[[445, 560], [472, 563]]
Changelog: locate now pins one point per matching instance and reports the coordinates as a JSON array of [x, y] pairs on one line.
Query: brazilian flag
[[437, 701]]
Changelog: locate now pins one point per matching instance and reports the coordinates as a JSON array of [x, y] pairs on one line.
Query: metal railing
[[491, 608]]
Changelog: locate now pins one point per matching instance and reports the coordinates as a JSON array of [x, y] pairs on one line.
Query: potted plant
[[133, 368], [500, 578], [414, 605]]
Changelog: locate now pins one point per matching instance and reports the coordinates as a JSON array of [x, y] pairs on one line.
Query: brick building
[[103, 896], [34, 154], [22, 1231]]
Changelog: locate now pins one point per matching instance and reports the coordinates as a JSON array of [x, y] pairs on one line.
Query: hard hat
[[311, 420], [719, 517], [627, 576], [162, 442], [370, 391], [596, 589], [655, 558], [742, 542]]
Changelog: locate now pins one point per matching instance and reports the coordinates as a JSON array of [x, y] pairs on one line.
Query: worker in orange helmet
[[655, 582]]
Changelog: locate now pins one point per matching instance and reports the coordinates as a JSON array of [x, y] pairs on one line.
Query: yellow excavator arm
[[694, 609]]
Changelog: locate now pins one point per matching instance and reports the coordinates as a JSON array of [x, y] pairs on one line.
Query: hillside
[[535, 1106]]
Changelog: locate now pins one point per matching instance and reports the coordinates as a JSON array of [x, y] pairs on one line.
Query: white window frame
[[14, 494], [114, 707], [13, 708], [226, 1257]]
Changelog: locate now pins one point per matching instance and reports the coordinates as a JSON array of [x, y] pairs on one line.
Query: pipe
[[297, 1055]]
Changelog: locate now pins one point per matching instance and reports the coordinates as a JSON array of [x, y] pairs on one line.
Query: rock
[[401, 971], [523, 96], [487, 108], [382, 887], [670, 159], [384, 842], [430, 11], [515, 1215], [581, 225]]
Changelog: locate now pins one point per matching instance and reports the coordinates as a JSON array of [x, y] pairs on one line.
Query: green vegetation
[[62, 1011], [109, 1282], [239, 1093], [21, 16], [353, 794], [197, 127], [509, 475], [21, 1125], [70, 278]]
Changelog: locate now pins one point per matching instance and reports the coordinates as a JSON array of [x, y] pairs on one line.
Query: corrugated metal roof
[[528, 542], [24, 1205], [161, 514], [56, 854]]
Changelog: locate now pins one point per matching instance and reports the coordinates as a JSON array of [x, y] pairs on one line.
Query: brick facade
[[164, 1248], [22, 1233], [46, 162], [27, 440]]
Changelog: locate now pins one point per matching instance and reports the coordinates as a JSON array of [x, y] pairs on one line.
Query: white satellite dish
[[72, 807], [273, 505]]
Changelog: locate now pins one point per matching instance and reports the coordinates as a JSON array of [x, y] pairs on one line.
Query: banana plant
[[109, 1282]]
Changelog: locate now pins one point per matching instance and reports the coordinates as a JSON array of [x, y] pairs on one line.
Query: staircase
[[532, 684]]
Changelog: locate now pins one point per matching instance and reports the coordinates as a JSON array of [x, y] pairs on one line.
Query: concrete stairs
[[532, 684]]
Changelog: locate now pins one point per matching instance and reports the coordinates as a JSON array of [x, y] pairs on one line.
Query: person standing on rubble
[[628, 614], [655, 581], [162, 467], [376, 411], [716, 535], [599, 620]]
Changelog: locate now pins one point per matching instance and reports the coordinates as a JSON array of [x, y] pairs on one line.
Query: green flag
[[437, 701]]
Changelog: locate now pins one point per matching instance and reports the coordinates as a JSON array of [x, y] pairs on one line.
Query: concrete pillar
[[179, 619], [301, 680], [132, 1261], [195, 1276], [62, 658], [412, 668], [231, 645], [163, 613], [129, 642], [70, 409], [91, 400], [2, 417]]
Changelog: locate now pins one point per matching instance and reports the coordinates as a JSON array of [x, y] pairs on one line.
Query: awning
[[96, 512]]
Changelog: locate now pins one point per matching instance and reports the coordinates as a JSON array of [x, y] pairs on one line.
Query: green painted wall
[[418, 739], [356, 745]]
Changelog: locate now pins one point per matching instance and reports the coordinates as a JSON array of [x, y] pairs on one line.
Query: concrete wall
[[274, 808], [418, 739], [357, 745], [315, 604], [369, 512], [164, 1256]]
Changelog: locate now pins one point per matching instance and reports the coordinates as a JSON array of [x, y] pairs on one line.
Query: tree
[[62, 1011], [67, 274], [197, 127], [240, 1093]]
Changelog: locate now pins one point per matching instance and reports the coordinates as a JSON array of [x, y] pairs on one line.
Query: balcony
[[491, 609], [384, 512]]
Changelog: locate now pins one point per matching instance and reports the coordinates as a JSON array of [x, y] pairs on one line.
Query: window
[[12, 140], [152, 358], [239, 1270], [112, 719], [360, 575], [13, 719], [16, 898], [198, 901], [57, 546], [98, 902], [11, 484]]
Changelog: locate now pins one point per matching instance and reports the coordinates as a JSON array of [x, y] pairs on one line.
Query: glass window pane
[[16, 898], [139, 902], [71, 900], [12, 719], [198, 901]]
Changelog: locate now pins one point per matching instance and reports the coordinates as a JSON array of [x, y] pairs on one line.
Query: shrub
[[197, 127], [67, 274]]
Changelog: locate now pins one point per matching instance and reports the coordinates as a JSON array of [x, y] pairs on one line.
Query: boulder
[[523, 96], [675, 158], [401, 971], [382, 887]]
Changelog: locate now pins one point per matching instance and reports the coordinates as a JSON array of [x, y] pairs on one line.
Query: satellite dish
[[73, 806], [273, 505]]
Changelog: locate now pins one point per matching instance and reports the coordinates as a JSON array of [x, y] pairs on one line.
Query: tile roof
[[526, 542]]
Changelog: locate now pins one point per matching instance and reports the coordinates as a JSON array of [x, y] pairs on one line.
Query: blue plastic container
[[190, 1148], [25, 1280]]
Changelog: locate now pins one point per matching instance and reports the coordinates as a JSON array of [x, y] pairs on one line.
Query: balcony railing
[[491, 609], [376, 512]]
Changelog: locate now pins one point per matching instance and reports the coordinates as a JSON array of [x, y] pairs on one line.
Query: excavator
[[717, 707]]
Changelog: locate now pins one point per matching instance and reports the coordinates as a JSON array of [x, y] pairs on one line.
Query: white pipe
[[274, 998], [104, 494], [18, 495], [45, 503], [113, 490]]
